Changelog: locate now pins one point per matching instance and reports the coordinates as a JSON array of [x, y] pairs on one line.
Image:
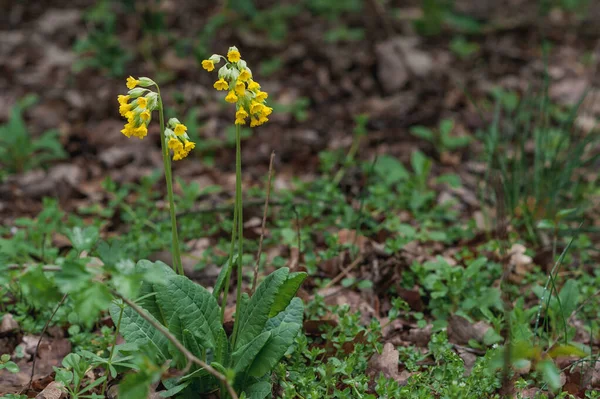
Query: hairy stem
[[240, 224], [229, 264], [177, 266]]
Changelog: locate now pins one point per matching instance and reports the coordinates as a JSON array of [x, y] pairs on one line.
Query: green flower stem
[[177, 266], [112, 349], [229, 264], [240, 224]]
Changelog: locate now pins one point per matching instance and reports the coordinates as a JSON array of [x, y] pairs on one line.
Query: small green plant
[[542, 181], [7, 364], [19, 151], [463, 48], [442, 137], [101, 48], [71, 376]]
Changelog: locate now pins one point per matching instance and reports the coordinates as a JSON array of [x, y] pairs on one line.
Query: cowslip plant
[[137, 107], [179, 323]]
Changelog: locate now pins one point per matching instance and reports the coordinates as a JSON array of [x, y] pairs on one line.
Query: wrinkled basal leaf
[[256, 313], [197, 309], [286, 292]]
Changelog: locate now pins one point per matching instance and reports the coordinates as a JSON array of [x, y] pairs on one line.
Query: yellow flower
[[132, 82], [180, 129], [244, 75], [189, 145], [261, 96], [256, 108], [221, 84], [208, 65], [253, 122], [145, 116], [262, 119], [175, 144], [253, 86], [240, 116], [130, 116], [240, 88], [267, 111], [124, 109], [233, 56], [142, 102], [128, 130], [141, 131], [123, 99], [231, 97]]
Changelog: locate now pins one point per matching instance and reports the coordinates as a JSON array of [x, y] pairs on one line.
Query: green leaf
[[259, 390], [550, 374], [90, 301], [446, 126], [11, 367], [222, 354], [83, 239], [221, 278], [281, 338], [286, 292], [136, 330], [72, 276], [422, 132], [194, 305], [256, 313], [420, 164], [191, 343], [155, 273], [175, 390], [294, 313], [390, 170], [244, 356], [135, 386], [569, 298]]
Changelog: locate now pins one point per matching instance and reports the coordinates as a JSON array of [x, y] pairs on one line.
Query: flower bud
[[215, 58], [145, 82], [173, 122], [223, 72], [152, 98], [135, 93]]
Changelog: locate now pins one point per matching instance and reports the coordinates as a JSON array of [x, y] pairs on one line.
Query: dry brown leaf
[[461, 330]]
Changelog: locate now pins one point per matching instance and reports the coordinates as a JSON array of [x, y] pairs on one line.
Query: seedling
[[19, 151]]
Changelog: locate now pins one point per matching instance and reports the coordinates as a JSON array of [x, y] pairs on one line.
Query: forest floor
[[398, 183]]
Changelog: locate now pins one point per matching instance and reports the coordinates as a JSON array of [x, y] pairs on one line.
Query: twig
[[46, 268], [188, 355], [37, 347], [585, 302], [264, 223], [344, 272]]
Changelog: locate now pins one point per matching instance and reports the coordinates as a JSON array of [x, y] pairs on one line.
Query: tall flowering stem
[[137, 107], [240, 223], [236, 78], [175, 249]]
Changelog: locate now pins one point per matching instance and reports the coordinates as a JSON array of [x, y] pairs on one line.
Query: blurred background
[[427, 152], [335, 71]]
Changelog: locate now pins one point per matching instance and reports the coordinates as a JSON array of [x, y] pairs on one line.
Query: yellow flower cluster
[[137, 107], [178, 140], [236, 77]]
